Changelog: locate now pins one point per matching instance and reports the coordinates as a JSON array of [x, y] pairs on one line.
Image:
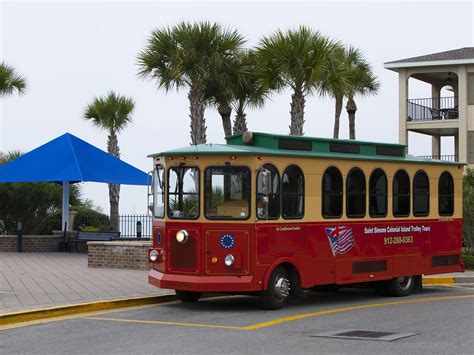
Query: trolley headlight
[[153, 255], [182, 236], [229, 260]]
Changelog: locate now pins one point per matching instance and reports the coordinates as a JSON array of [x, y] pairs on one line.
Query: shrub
[[91, 220], [468, 261]]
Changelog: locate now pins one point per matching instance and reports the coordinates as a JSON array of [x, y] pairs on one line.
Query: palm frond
[[10, 81]]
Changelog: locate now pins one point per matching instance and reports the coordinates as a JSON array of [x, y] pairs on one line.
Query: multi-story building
[[439, 115]]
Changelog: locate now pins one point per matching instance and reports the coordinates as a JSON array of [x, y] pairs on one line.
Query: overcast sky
[[71, 52]]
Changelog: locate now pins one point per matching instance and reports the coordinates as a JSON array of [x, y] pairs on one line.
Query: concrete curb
[[448, 280], [73, 309]]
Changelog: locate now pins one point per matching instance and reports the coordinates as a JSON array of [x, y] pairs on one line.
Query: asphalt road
[[442, 318]]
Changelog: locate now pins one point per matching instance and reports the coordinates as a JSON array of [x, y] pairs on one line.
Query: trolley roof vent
[[292, 144], [390, 151], [336, 147]]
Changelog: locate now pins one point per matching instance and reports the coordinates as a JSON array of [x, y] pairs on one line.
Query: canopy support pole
[[65, 212]]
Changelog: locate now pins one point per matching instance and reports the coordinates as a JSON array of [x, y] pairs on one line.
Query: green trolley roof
[[302, 146]]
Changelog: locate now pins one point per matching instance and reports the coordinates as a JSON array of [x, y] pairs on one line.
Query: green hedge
[[468, 261]]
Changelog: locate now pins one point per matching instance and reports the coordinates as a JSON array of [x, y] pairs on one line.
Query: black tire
[[401, 286], [188, 296], [278, 291]]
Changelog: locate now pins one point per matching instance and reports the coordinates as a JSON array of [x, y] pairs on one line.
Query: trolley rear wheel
[[401, 286]]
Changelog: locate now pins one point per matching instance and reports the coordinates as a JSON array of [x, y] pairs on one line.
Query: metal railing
[[453, 158], [435, 108], [129, 226]]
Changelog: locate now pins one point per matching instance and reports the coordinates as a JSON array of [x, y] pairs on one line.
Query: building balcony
[[452, 158], [431, 109]]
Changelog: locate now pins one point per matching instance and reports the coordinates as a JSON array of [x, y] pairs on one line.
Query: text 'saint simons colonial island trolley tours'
[[271, 215]]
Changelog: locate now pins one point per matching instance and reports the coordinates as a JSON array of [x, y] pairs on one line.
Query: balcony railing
[[453, 158], [436, 108]]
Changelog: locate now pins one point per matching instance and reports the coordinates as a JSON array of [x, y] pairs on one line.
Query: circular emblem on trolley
[[227, 241]]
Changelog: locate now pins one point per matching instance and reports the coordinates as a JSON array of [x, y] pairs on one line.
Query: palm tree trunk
[[297, 112], [351, 108], [337, 117], [114, 189], [240, 122], [198, 123], [225, 111]]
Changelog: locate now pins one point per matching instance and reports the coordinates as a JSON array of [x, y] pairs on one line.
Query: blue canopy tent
[[68, 159]]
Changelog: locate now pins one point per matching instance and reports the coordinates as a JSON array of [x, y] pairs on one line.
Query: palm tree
[[112, 113], [362, 82], [186, 55], [10, 81], [237, 86], [336, 82], [294, 59], [250, 92]]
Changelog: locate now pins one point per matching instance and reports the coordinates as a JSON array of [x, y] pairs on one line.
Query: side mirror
[[265, 189]]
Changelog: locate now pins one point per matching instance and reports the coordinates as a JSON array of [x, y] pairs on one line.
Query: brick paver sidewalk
[[32, 280]]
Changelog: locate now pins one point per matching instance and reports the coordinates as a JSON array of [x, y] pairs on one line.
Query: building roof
[[456, 56], [302, 146]]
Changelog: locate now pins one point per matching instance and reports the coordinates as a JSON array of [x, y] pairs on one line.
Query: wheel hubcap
[[405, 282], [282, 287]]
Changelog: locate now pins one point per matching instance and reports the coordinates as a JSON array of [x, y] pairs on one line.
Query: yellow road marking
[[165, 323], [346, 309]]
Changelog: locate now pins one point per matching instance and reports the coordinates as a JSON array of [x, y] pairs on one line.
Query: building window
[[292, 200], [355, 189], [183, 192], [446, 194], [332, 193], [378, 194], [269, 202], [421, 194], [401, 194], [227, 192], [470, 88]]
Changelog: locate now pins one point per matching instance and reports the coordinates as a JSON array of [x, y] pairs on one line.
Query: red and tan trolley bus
[[272, 215]]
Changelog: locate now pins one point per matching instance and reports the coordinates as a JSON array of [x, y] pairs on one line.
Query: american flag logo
[[341, 239]]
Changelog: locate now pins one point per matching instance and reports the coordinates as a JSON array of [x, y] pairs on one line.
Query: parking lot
[[438, 320]]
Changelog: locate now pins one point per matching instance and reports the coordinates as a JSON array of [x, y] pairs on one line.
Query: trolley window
[[292, 198], [421, 194], [355, 193], [269, 201], [378, 194], [183, 192], [227, 192], [158, 192], [332, 193], [401, 194], [446, 194]]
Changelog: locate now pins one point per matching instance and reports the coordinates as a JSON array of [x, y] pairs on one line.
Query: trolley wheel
[[401, 286], [276, 295], [188, 296]]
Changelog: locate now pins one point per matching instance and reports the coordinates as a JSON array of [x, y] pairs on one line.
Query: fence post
[[139, 229], [19, 236]]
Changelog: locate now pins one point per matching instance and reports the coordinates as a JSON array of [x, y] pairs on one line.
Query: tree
[[237, 87], [186, 55], [336, 82], [468, 210], [252, 91], [294, 59], [10, 81], [34, 203], [362, 82], [112, 113]]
